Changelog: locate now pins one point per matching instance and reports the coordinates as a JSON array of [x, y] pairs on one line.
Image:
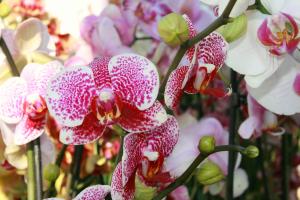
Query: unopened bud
[[5, 10], [235, 29], [51, 172], [207, 144], [251, 151], [143, 192], [173, 29], [209, 173]]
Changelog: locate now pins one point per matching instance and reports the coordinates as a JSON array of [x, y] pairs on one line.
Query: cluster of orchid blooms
[[112, 81]]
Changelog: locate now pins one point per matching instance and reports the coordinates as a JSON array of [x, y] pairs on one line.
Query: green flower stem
[[51, 192], [234, 103], [9, 57], [285, 162], [75, 171], [182, 179], [35, 183], [220, 21]]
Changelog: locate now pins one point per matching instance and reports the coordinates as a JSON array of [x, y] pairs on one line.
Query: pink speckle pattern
[[99, 67], [134, 120], [28, 130], [161, 139], [118, 192], [173, 90], [95, 192], [38, 76], [135, 79], [296, 84], [89, 131], [69, 95], [12, 96]]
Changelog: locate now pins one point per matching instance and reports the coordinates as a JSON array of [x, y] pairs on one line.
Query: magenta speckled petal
[[12, 96], [131, 155], [69, 95], [134, 120], [89, 131], [135, 79], [99, 67], [173, 90], [118, 192], [165, 135], [28, 130], [38, 76], [95, 192]]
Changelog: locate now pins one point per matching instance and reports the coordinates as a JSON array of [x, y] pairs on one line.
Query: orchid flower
[[259, 120], [204, 61], [263, 55], [183, 155], [122, 90], [144, 155], [23, 100], [95, 192], [110, 33], [30, 36]]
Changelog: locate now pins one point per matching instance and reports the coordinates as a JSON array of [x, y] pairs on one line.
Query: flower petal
[[180, 193], [7, 133], [47, 150], [16, 156], [239, 8], [173, 90], [99, 67], [31, 35], [38, 76], [248, 127], [95, 192], [131, 155], [28, 130], [167, 135], [118, 192], [273, 6], [69, 95], [240, 183], [292, 8], [89, 131], [247, 55], [277, 93], [134, 120], [135, 79], [12, 93]]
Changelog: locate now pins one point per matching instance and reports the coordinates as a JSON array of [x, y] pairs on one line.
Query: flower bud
[[251, 151], [51, 172], [173, 29], [4, 10], [207, 144], [209, 173], [143, 192], [235, 29]]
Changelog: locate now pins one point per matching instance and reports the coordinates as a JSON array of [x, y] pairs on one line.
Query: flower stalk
[[10, 60], [201, 157]]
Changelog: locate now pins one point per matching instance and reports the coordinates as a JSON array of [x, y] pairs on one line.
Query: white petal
[[240, 183], [239, 8], [292, 7], [247, 55], [273, 6], [276, 93], [210, 2]]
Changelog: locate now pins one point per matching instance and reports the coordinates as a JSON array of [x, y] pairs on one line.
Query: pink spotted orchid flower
[[121, 90], [183, 155], [95, 192], [144, 156], [204, 61], [23, 102], [260, 120], [265, 56]]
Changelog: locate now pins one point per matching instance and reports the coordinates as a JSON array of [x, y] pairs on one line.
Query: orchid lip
[[106, 106], [35, 106]]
